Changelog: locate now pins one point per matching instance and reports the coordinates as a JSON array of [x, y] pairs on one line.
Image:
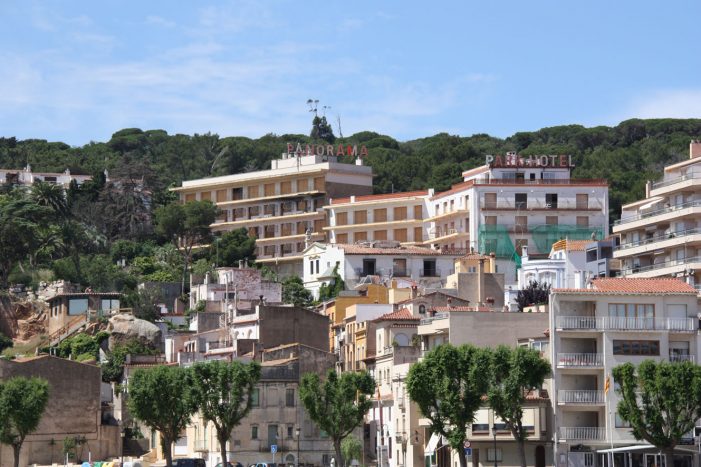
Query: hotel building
[[661, 234], [593, 330], [283, 206], [498, 208]]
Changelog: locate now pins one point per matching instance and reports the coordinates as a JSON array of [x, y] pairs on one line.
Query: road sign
[[273, 448], [467, 444], [468, 451]]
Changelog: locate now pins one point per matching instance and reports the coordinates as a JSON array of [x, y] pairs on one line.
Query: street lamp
[[494, 433], [123, 435], [297, 433]]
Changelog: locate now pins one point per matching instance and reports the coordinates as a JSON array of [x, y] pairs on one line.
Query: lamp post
[[297, 433], [494, 433], [122, 434]]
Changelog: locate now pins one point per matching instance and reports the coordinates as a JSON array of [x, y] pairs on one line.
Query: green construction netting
[[545, 235], [496, 239]]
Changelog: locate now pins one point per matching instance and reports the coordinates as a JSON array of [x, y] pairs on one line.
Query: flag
[[607, 385]]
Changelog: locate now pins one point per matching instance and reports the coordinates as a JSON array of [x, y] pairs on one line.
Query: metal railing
[[583, 432], [681, 358], [664, 264], [201, 445], [568, 396], [657, 212], [219, 345], [539, 204], [583, 360], [435, 317], [658, 238], [672, 181], [616, 323], [541, 181]]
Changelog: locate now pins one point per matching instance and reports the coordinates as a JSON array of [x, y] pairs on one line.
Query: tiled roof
[[351, 249], [454, 189], [447, 308], [475, 256], [403, 314], [359, 199], [636, 286]]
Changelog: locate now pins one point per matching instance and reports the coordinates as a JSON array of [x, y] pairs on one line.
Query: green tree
[[186, 225], [661, 401], [223, 392], [351, 448], [335, 286], [337, 404], [161, 398], [514, 372], [51, 196], [22, 404], [293, 292], [5, 342], [233, 246], [322, 130], [535, 293], [448, 385]]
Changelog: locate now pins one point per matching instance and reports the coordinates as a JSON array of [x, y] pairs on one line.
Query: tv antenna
[[326, 107], [313, 104], [338, 119]]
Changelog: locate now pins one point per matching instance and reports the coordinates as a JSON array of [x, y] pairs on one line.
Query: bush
[[5, 342]]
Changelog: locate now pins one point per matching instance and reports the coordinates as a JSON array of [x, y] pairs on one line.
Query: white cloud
[[679, 103], [160, 21]]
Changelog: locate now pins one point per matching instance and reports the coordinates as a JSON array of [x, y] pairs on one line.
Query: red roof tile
[[359, 199], [636, 286], [442, 309], [454, 189], [403, 314]]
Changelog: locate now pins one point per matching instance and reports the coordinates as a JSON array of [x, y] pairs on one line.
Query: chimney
[[648, 187], [414, 291], [240, 264], [694, 149], [480, 283]]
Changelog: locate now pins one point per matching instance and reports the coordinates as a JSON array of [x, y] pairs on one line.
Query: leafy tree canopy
[[293, 292]]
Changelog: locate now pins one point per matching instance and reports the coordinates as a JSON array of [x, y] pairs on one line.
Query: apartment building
[[661, 234], [26, 177], [594, 329], [283, 206]]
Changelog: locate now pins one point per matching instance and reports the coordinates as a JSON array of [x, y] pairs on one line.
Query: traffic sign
[[467, 444], [273, 448], [468, 451]]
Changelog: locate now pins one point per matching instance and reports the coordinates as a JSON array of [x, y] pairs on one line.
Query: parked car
[[229, 464], [190, 462]]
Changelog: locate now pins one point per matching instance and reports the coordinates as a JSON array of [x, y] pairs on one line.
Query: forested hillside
[[81, 237], [626, 155]]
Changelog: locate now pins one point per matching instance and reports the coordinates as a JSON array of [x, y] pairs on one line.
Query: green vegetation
[[5, 342], [113, 368], [660, 400], [223, 392], [535, 293], [337, 404], [22, 403], [293, 291]]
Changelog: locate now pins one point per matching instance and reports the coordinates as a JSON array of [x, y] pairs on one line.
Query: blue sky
[[77, 71]]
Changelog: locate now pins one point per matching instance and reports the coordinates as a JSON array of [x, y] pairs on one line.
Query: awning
[[653, 202], [432, 444], [641, 447]]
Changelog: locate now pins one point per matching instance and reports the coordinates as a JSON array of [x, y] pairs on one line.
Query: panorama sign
[[326, 150], [511, 159]]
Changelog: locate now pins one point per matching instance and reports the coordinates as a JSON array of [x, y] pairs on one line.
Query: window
[[269, 189], [418, 212], [290, 431], [290, 397], [255, 399], [379, 235], [311, 266], [286, 187], [342, 238], [521, 200], [621, 347], [368, 267], [429, 269], [360, 217], [551, 200], [109, 304], [206, 196], [360, 236], [253, 191], [254, 432], [551, 220], [77, 306], [490, 200], [521, 224], [582, 221], [400, 213], [490, 220], [418, 234], [492, 453], [190, 197], [400, 235], [342, 218], [319, 183], [379, 215], [582, 201], [422, 309], [620, 423], [221, 195]]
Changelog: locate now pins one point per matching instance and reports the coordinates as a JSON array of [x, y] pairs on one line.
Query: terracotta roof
[[475, 256], [454, 189], [448, 308], [403, 314], [359, 199], [572, 245], [351, 249], [636, 286]]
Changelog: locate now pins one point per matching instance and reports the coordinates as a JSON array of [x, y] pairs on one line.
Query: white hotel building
[[499, 207], [661, 234], [593, 330]]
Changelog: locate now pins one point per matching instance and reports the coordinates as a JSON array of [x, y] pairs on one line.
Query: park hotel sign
[[326, 150], [513, 160]]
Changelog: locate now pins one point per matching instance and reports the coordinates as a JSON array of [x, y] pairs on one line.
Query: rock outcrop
[[124, 327]]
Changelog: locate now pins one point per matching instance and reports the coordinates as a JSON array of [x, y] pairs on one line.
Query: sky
[[78, 71]]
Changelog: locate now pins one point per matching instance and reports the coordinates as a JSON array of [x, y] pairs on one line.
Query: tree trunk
[[669, 456], [339, 454], [521, 451], [165, 446], [222, 438], [462, 456], [15, 450]]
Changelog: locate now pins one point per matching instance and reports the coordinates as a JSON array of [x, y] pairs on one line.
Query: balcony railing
[[672, 181], [596, 433], [435, 317], [658, 212], [615, 323], [542, 181], [567, 396], [664, 264], [570, 205], [675, 358], [580, 360], [201, 445], [658, 238]]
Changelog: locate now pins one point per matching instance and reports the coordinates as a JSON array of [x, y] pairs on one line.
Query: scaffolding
[[496, 239], [545, 235]]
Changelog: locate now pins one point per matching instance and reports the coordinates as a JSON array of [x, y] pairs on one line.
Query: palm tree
[[52, 196]]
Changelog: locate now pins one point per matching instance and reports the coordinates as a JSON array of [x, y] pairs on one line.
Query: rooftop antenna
[[313, 104], [326, 107], [338, 119]]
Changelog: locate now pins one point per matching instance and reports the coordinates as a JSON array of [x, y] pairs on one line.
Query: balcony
[[584, 397], [678, 358], [662, 265], [657, 212], [674, 181], [435, 317], [593, 433], [580, 360], [540, 205], [615, 323], [677, 236], [542, 181]]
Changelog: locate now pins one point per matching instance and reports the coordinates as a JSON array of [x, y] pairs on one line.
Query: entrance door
[[539, 456], [475, 457]]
